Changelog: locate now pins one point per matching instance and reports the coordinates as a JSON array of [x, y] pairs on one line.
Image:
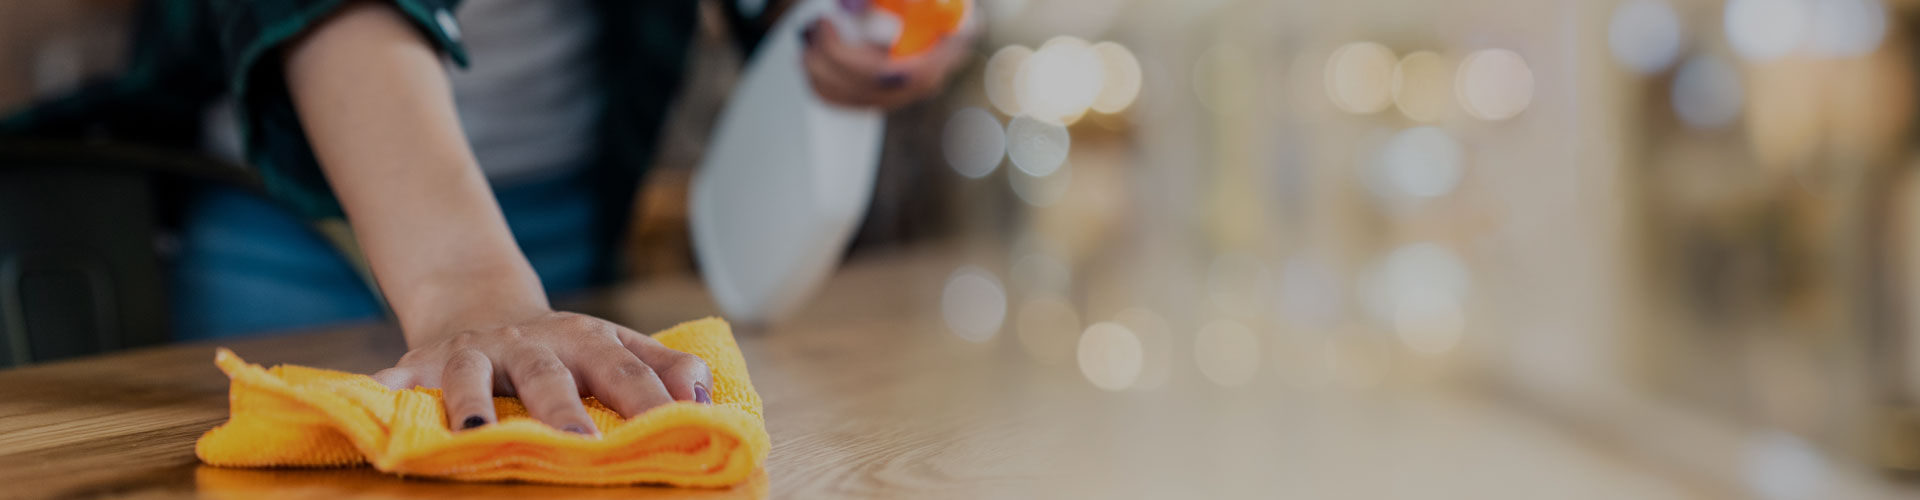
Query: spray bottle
[[787, 176]]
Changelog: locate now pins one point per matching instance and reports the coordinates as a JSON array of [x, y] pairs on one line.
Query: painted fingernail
[[854, 5], [700, 394], [893, 80], [472, 422], [806, 35], [578, 430]]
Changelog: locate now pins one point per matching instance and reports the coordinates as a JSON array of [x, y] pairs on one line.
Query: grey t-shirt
[[529, 99]]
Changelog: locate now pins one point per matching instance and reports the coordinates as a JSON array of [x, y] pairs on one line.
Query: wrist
[[439, 308]]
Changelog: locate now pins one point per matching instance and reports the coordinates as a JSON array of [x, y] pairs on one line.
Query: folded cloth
[[295, 416]]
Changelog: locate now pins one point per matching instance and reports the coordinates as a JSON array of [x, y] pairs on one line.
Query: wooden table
[[867, 396]]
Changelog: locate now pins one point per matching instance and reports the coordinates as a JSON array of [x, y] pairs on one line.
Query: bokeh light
[[1645, 35], [1156, 345], [1417, 163], [1494, 84], [1429, 320], [1707, 92], [1042, 191], [1037, 147], [1110, 356], [999, 75], [1419, 290], [1227, 352], [973, 142], [1059, 81], [1782, 466], [1846, 28], [1359, 77], [1047, 327], [1423, 86], [1764, 30], [973, 304], [1074, 118], [1122, 82]]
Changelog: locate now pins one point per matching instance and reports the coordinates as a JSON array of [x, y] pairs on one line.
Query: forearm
[[377, 108]]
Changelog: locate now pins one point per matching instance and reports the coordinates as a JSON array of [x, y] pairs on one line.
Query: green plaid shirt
[[188, 53]]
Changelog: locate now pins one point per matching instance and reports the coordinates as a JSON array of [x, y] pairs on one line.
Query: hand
[[550, 361], [847, 71], [373, 97]]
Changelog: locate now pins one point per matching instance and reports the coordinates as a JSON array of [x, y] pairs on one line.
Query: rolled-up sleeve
[[251, 35]]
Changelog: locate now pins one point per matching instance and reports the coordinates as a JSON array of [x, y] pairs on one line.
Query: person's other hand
[[849, 71], [550, 361]]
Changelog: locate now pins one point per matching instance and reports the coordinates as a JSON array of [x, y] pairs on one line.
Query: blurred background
[[1690, 228]]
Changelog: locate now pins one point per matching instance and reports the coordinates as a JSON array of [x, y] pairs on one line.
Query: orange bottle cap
[[923, 23]]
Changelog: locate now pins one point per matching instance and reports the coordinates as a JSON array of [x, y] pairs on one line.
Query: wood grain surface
[[867, 396]]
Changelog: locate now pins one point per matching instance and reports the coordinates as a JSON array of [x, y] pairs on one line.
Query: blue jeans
[[246, 265]]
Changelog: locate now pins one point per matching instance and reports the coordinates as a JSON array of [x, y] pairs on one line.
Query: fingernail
[[578, 430], [893, 80], [854, 5], [806, 35], [472, 422], [700, 394]]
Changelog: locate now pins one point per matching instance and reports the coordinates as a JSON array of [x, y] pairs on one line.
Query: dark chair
[[79, 267]]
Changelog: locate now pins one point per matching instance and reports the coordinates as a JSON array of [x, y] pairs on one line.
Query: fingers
[[467, 385], [833, 85], [848, 56], [842, 73], [549, 363], [624, 383], [929, 69], [546, 387], [685, 376], [922, 73], [850, 72]]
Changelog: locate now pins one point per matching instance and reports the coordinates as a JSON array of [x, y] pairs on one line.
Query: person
[[471, 194]]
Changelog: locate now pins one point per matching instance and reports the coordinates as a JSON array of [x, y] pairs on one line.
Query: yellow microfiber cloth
[[295, 416]]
